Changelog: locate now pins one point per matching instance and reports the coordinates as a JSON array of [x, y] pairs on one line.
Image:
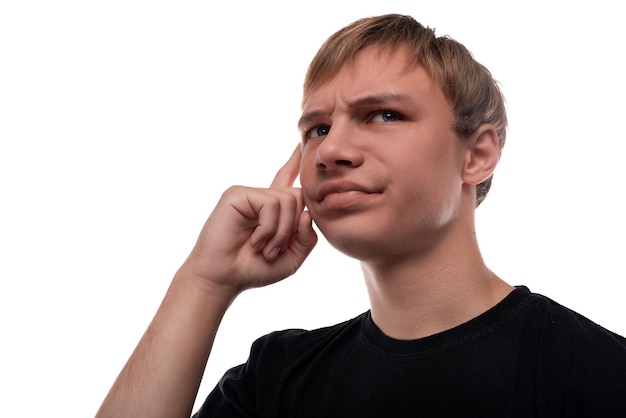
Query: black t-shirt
[[526, 357]]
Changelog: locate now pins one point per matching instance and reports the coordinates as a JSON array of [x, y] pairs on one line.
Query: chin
[[357, 243]]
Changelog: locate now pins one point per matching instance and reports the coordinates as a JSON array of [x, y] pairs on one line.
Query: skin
[[390, 183], [236, 250], [380, 136]]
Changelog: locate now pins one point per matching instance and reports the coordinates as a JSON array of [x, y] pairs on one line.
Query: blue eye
[[386, 116], [317, 131]]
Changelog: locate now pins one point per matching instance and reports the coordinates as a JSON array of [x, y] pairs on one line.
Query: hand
[[255, 236]]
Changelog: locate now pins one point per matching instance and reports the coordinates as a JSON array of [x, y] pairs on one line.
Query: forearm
[[254, 237], [163, 374]]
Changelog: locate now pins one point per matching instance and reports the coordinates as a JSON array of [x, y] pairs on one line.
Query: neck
[[423, 295]]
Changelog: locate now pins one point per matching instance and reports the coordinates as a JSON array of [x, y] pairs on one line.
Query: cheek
[[431, 179], [307, 162]]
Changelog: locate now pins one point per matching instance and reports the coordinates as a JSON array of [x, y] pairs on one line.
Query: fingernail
[[274, 253]]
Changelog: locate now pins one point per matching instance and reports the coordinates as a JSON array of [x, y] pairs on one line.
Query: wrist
[[218, 294]]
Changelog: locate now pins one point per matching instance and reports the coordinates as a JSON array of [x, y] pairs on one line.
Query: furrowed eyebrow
[[379, 100], [306, 118]]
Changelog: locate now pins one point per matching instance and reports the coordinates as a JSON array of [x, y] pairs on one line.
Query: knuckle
[[233, 191]]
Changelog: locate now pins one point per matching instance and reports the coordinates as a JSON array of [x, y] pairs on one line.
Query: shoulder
[[286, 344], [571, 326], [576, 354]]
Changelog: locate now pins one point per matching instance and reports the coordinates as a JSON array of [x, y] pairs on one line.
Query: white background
[[121, 123]]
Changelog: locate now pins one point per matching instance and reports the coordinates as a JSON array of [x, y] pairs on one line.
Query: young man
[[401, 133]]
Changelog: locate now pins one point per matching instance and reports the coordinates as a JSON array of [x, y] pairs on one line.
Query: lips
[[341, 186]]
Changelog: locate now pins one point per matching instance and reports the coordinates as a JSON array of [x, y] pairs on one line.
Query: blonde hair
[[474, 95]]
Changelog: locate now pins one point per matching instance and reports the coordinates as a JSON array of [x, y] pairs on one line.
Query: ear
[[482, 154]]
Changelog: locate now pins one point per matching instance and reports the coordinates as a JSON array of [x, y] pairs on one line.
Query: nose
[[339, 149]]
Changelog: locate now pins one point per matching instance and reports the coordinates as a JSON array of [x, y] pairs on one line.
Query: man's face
[[382, 165]]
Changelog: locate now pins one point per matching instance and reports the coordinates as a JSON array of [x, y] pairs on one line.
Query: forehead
[[373, 70]]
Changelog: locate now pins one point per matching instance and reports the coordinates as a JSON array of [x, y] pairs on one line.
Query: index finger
[[288, 172]]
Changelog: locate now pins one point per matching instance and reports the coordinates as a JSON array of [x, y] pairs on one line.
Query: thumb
[[305, 238]]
